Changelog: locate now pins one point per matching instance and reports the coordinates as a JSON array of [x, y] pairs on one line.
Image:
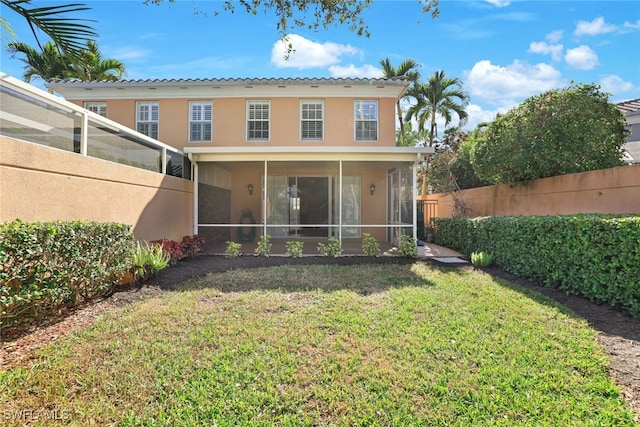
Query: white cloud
[[499, 3], [555, 36], [127, 53], [582, 58], [615, 84], [555, 50], [593, 28], [478, 115], [366, 71], [511, 84], [633, 25], [152, 36], [308, 54], [198, 68]]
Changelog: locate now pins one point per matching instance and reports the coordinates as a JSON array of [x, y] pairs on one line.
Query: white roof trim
[[229, 88], [301, 154]]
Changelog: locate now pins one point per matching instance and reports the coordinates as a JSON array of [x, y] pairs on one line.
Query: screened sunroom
[[304, 193]]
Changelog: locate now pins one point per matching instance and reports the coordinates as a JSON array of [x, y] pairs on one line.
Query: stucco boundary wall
[[606, 191], [39, 183]]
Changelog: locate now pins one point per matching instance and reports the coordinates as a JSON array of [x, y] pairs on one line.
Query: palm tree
[[405, 69], [412, 138], [442, 96], [48, 64], [89, 65], [68, 34]]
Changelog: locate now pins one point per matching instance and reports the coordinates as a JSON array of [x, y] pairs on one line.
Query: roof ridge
[[236, 79]]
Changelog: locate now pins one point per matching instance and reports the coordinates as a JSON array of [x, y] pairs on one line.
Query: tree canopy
[[561, 131], [313, 14]]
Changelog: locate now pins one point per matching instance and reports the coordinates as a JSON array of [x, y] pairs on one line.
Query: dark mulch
[[617, 332]]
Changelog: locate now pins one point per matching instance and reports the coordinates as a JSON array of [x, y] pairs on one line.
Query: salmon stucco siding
[[292, 158]]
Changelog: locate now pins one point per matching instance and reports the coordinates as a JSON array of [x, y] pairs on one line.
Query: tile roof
[[629, 106], [239, 81]]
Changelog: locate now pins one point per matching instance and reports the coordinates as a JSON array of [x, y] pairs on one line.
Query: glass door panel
[[309, 206], [351, 203], [277, 205], [393, 208]]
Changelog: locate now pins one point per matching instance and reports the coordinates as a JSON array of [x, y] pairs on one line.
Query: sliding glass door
[[309, 206]]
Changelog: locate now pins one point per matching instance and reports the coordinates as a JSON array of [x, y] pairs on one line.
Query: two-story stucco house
[[631, 111], [291, 157]]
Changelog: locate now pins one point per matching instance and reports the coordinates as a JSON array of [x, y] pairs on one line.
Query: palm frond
[[69, 34]]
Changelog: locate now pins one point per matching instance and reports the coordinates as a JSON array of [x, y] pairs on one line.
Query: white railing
[[31, 114]]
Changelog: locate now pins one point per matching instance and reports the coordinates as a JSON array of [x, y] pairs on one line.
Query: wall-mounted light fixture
[[372, 188], [250, 189]]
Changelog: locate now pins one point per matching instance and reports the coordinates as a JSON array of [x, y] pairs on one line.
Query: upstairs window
[[97, 107], [200, 119], [311, 120], [366, 120], [147, 115], [258, 120]]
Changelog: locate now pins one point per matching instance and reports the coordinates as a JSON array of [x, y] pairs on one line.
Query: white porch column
[[195, 196], [84, 134], [340, 203], [414, 194], [163, 155], [264, 200]]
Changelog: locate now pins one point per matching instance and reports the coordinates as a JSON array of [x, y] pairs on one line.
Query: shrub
[[189, 247], [264, 246], [171, 247], [47, 265], [333, 248], [148, 260], [481, 259], [294, 248], [408, 246], [370, 246], [233, 250], [192, 245], [596, 256]]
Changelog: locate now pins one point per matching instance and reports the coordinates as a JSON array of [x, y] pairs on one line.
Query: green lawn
[[364, 345]]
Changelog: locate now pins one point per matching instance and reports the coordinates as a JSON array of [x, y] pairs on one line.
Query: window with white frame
[[258, 120], [147, 116], [311, 120], [366, 120], [97, 107], [200, 118]]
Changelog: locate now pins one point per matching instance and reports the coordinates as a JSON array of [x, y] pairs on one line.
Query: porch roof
[[303, 154]]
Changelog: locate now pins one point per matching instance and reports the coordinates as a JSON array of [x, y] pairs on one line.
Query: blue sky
[[504, 51]]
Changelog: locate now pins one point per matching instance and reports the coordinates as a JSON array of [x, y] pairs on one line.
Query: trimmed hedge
[[45, 266], [597, 256]]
